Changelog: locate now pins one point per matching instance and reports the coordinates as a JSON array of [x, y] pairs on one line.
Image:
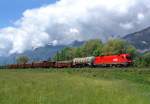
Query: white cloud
[[70, 20], [127, 26], [74, 30], [140, 16]]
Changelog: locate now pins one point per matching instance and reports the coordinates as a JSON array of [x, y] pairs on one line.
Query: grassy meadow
[[75, 86]]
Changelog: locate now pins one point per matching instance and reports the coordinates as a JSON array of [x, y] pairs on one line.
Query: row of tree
[[97, 48]]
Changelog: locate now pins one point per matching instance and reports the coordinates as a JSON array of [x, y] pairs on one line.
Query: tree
[[146, 59], [131, 50], [57, 57], [93, 47], [79, 52], [22, 59], [142, 60], [49, 59], [118, 46], [65, 54]]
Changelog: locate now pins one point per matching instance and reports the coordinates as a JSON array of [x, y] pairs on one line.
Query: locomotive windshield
[[128, 57]]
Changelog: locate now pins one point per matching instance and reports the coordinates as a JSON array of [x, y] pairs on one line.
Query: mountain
[[140, 39], [38, 54]]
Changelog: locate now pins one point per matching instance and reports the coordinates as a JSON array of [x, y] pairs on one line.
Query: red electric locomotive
[[113, 60]]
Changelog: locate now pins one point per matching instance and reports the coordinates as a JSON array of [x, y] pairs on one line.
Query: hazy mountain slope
[[140, 39]]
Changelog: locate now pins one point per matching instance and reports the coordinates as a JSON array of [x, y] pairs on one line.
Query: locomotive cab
[[127, 59]]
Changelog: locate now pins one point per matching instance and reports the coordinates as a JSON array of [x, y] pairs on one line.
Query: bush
[[22, 59], [143, 60]]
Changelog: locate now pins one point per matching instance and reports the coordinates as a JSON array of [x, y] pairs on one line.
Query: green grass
[[75, 86]]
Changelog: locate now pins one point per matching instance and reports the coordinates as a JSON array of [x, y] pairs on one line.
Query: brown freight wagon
[[43, 64], [37, 65], [20, 66], [63, 64], [13, 66], [27, 65], [47, 64]]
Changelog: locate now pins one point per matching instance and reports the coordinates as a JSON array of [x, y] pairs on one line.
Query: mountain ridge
[[140, 39]]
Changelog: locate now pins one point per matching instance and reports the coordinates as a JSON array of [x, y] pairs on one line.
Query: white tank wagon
[[86, 61]]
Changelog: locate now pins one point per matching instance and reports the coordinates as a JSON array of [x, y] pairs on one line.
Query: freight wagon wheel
[[119, 65]]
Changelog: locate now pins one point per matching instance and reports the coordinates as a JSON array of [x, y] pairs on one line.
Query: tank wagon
[[83, 62]]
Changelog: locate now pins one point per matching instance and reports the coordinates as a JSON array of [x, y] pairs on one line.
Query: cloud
[[127, 26], [70, 20], [140, 16]]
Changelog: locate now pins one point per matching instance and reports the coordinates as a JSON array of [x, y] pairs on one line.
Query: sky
[[28, 24], [11, 10]]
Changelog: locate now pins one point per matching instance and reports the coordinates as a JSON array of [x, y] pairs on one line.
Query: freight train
[[120, 60]]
